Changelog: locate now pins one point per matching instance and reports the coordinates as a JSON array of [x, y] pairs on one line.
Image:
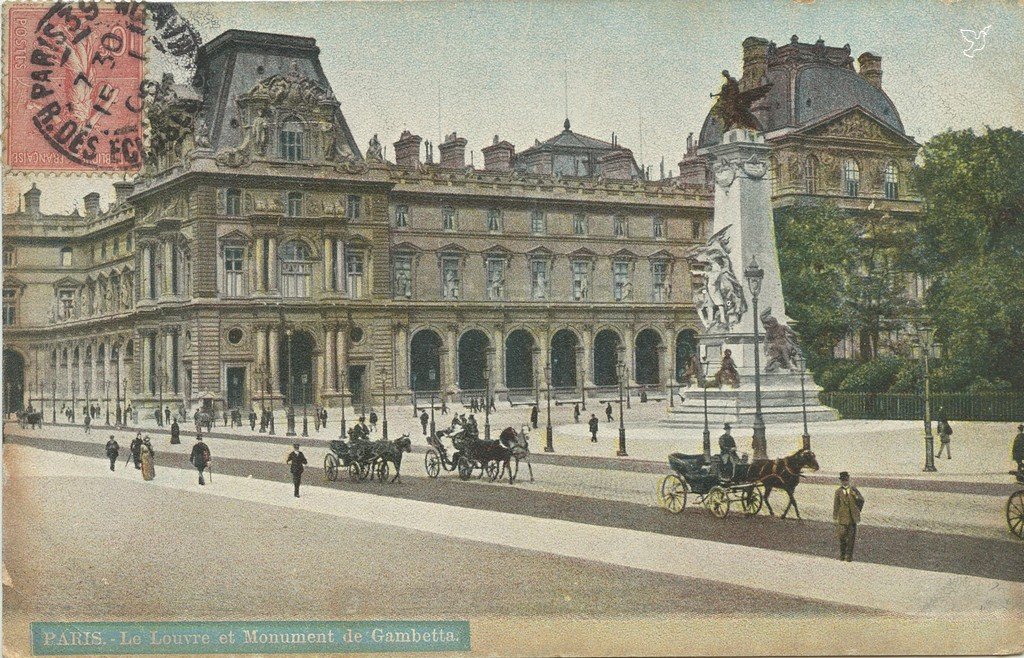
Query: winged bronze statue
[[733, 106]]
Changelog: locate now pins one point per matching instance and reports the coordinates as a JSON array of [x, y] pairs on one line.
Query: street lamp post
[[535, 355], [549, 445], [926, 334], [344, 424], [118, 412], [755, 276], [384, 402], [487, 400], [53, 400], [74, 399], [305, 402], [581, 374], [291, 386], [124, 414], [106, 399], [707, 429], [161, 373], [803, 398], [88, 399], [433, 427], [620, 367], [629, 390]]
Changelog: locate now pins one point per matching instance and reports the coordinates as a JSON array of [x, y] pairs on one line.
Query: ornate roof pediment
[[662, 254], [452, 248], [498, 250], [235, 236], [540, 252], [66, 282], [406, 247], [13, 282], [624, 253], [291, 88], [582, 252], [856, 123]]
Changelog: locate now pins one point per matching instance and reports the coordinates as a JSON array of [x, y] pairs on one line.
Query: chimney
[[499, 155], [122, 190], [92, 204], [453, 152], [617, 164], [407, 150], [871, 68], [32, 201], [755, 62]]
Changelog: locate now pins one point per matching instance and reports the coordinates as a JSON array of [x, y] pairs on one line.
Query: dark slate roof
[[570, 141]]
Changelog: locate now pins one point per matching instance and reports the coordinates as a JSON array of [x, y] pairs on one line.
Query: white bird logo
[[976, 39]]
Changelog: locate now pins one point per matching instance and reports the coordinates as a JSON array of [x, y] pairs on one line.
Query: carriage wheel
[[492, 468], [717, 502], [331, 467], [465, 469], [752, 500], [355, 472], [383, 471], [672, 493], [432, 463], [1015, 514]]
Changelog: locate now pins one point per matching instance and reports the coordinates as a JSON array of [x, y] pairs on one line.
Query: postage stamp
[[73, 78]]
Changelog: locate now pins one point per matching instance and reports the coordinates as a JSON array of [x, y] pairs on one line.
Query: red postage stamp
[[74, 72]]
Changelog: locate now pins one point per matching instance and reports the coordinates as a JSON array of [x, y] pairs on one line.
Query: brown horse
[[783, 473]]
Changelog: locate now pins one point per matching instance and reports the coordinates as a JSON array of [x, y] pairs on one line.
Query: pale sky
[[640, 69]]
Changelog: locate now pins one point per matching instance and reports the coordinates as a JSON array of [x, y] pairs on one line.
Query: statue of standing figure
[[374, 151]]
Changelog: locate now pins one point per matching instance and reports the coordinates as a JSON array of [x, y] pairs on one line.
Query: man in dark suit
[[424, 419], [200, 457], [846, 508], [593, 428], [175, 432], [298, 462], [533, 416], [608, 411], [112, 451], [1018, 448]]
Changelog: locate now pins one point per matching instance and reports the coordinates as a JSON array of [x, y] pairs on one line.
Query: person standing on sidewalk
[[200, 457], [136, 450], [1017, 452], [298, 462], [593, 428], [846, 509], [147, 456], [945, 433], [112, 451], [88, 422], [424, 419], [175, 432], [575, 413], [608, 412], [534, 413]]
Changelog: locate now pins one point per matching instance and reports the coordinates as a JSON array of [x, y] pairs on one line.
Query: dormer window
[[290, 141]]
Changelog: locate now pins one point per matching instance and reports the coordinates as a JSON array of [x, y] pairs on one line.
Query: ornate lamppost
[[487, 399], [106, 400], [305, 402], [384, 402], [924, 342], [291, 386], [582, 374], [53, 400], [707, 429], [755, 276], [118, 411], [535, 354], [433, 427], [620, 367], [161, 373], [549, 445], [124, 415], [344, 424], [74, 399], [803, 398]]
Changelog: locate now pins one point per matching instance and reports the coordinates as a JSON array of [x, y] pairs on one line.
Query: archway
[[14, 382], [563, 359], [686, 349], [472, 360], [303, 384], [519, 346], [648, 366], [606, 346], [425, 365]]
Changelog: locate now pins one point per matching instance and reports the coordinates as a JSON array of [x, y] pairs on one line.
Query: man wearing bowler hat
[[846, 509], [298, 462]]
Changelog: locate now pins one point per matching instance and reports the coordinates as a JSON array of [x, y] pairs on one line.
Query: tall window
[[493, 220], [579, 224], [234, 275], [10, 306], [403, 276], [354, 207], [537, 224], [9, 257], [294, 208], [451, 285], [234, 202], [619, 226], [851, 178], [892, 181], [448, 218], [580, 280], [116, 246], [296, 269], [659, 280], [103, 250], [811, 175], [354, 268], [495, 278], [539, 279], [401, 216], [65, 257], [695, 229], [290, 141], [659, 227], [622, 286]]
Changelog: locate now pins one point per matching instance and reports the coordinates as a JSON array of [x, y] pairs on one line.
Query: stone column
[[147, 256], [121, 369], [588, 356], [664, 367], [68, 371], [261, 347], [93, 351], [341, 358], [331, 358], [169, 362], [327, 264], [272, 264], [81, 371], [629, 335], [259, 285], [401, 339], [275, 380], [453, 363], [168, 266], [498, 340]]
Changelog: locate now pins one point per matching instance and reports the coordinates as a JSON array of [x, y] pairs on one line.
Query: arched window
[[892, 181], [851, 178], [811, 175], [290, 141], [296, 269]]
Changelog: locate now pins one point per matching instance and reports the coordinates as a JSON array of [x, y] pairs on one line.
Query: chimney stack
[[32, 201], [122, 190], [453, 152], [755, 62], [871, 68], [499, 155], [618, 165], [407, 150], [92, 204]]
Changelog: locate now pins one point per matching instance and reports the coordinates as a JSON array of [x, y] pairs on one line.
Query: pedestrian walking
[[112, 451], [945, 434], [175, 432], [593, 428], [252, 421], [323, 417], [1017, 452], [424, 419], [225, 418], [200, 457], [846, 509], [534, 413], [373, 420], [88, 422], [575, 413], [298, 462], [444, 407], [147, 455], [608, 411], [136, 449], [167, 415]]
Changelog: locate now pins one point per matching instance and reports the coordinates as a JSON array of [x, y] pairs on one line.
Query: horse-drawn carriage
[[366, 459], [718, 484], [461, 449], [1015, 507]]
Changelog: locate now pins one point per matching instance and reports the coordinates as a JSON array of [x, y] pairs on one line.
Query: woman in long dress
[[148, 472]]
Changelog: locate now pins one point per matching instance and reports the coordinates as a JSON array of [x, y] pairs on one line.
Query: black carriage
[[461, 450], [1015, 507], [715, 484], [361, 458]]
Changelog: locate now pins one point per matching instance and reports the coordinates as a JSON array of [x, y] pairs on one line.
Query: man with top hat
[[727, 445], [113, 449], [846, 508], [298, 463], [200, 457]]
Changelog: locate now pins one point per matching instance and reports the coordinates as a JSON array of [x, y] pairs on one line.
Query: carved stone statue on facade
[[496, 284], [451, 285], [727, 372], [722, 302], [260, 132], [780, 345], [201, 133], [733, 106], [374, 151]]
